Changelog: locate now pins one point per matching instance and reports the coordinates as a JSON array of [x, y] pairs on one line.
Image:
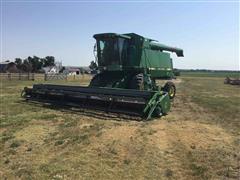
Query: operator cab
[[112, 50]]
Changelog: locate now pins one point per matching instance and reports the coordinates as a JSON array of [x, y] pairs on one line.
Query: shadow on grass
[[83, 111]]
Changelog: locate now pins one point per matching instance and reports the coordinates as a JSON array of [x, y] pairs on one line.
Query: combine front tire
[[96, 81], [170, 88]]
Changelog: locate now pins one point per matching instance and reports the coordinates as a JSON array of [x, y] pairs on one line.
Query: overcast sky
[[207, 31]]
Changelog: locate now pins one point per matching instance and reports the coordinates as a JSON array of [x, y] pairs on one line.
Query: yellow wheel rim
[[171, 92]]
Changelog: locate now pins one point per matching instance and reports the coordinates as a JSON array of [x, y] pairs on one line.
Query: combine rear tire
[[170, 88], [137, 82]]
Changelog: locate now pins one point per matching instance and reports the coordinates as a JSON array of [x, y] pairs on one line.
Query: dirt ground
[[198, 139]]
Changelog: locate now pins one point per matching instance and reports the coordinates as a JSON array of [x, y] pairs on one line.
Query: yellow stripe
[[167, 69]]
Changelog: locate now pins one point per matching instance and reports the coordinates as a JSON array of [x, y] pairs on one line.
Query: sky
[[208, 32]]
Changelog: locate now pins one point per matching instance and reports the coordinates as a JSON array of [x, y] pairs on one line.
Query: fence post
[[45, 77], [9, 76]]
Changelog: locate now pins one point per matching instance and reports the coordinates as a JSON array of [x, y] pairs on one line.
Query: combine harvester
[[129, 65]]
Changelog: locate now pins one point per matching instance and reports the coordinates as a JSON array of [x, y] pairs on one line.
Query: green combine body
[[129, 65], [123, 58]]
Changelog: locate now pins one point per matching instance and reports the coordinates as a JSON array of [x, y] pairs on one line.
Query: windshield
[[112, 51]]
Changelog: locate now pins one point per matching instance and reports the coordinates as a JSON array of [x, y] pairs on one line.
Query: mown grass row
[[215, 97]]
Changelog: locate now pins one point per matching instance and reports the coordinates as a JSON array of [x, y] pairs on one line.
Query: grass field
[[198, 139]]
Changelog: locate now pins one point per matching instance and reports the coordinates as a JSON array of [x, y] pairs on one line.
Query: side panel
[[158, 63], [161, 74]]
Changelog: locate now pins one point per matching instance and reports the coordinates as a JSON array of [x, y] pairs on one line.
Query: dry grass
[[199, 139]]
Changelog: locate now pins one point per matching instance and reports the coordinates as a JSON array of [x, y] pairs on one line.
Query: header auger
[[129, 66]]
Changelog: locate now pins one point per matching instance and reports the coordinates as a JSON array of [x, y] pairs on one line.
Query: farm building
[[72, 70], [53, 69], [8, 67], [50, 70]]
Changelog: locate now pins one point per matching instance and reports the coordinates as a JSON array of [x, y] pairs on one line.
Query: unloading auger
[[129, 66]]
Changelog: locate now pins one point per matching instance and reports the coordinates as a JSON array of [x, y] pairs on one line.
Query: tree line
[[34, 64]]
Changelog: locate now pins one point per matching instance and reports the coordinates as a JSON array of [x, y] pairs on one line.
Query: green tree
[[37, 63], [34, 64], [26, 66], [49, 61], [18, 62]]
